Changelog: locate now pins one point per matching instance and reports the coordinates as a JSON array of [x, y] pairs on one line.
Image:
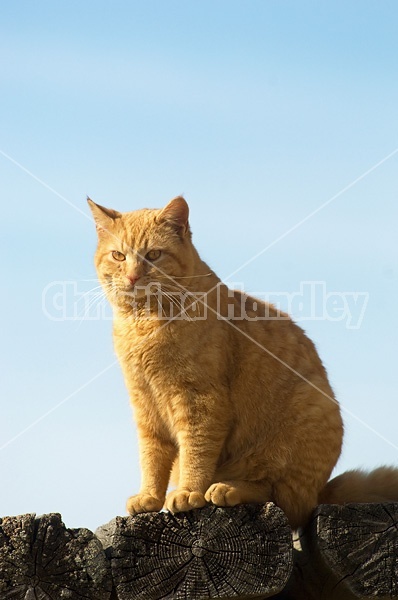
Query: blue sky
[[260, 112]]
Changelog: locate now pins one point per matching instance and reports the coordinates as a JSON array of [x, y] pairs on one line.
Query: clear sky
[[278, 121]]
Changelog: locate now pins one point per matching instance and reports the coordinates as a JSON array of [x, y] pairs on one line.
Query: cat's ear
[[176, 213], [103, 217]]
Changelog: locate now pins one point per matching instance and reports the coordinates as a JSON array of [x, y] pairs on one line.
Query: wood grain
[[208, 553], [347, 552], [42, 560]]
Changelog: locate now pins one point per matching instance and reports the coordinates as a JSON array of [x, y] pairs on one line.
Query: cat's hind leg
[[231, 493], [297, 502]]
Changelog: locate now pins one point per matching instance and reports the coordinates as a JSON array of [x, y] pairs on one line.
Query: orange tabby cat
[[227, 393]]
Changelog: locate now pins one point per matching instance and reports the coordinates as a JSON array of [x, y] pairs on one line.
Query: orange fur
[[240, 410]]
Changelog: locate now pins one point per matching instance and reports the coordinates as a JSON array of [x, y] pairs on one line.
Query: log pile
[[246, 552]]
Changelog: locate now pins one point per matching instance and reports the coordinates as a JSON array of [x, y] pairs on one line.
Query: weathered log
[[347, 552], [212, 552], [42, 560]]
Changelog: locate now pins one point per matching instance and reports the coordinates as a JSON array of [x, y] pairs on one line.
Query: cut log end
[[40, 560], [347, 552], [207, 553], [359, 543]]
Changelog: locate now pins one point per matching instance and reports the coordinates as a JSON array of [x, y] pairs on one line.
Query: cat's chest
[[158, 357], [167, 370], [157, 369]]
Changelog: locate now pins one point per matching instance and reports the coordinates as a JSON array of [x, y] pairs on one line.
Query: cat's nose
[[133, 278]]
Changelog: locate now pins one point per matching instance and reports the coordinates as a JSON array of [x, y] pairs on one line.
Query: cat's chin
[[135, 293], [131, 294]]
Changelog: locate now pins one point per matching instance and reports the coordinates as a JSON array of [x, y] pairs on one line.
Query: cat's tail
[[380, 485]]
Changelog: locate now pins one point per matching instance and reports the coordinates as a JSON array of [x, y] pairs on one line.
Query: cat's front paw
[[141, 503], [182, 500], [223, 494]]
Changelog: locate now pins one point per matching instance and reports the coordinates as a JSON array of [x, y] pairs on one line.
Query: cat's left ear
[[176, 213]]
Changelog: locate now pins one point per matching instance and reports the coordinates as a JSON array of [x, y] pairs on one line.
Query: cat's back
[[268, 335]]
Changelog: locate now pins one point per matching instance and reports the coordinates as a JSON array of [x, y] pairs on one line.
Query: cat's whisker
[[170, 298], [175, 286], [169, 280], [181, 289], [161, 307], [184, 292], [96, 298], [106, 288], [172, 290], [90, 298], [83, 296], [183, 307], [189, 276], [95, 279], [177, 304], [98, 303]]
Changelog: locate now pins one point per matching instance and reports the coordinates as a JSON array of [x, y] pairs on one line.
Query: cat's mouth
[[139, 290]]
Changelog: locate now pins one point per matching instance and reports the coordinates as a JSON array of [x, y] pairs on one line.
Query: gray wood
[[213, 552], [42, 560], [359, 542], [348, 552], [312, 579]]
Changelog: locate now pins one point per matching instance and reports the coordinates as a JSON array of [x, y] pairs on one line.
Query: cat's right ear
[[103, 217]]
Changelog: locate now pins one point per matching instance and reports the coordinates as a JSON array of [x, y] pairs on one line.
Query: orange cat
[[227, 393]]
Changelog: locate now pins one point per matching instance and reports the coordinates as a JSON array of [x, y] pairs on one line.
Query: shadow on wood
[[347, 552]]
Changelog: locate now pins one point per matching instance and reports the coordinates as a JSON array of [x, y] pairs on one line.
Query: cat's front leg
[[156, 458], [198, 456]]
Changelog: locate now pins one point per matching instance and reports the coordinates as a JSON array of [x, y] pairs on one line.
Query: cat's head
[[143, 247]]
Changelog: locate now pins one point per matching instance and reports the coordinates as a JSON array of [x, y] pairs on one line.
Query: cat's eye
[[118, 255], [153, 254]]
